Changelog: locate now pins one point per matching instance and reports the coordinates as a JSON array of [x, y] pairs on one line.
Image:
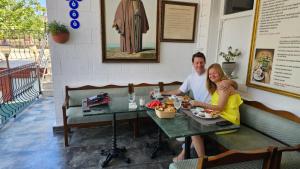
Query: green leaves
[[22, 15], [230, 55], [55, 28]]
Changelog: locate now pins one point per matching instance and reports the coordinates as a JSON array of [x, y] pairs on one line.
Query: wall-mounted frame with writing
[[274, 62], [130, 30], [178, 21]]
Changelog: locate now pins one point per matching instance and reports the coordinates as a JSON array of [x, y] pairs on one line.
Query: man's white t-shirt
[[197, 84]]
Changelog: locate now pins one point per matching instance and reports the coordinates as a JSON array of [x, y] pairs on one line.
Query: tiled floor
[[28, 142]]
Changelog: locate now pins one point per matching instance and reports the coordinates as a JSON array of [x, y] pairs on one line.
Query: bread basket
[[165, 114]]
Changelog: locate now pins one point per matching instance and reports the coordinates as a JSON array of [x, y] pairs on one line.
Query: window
[[234, 6]]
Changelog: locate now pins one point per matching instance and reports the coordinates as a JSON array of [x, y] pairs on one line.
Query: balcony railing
[[20, 70], [19, 87]]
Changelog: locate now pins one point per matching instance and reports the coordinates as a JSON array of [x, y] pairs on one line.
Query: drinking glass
[[131, 97], [142, 101], [156, 93], [177, 104]]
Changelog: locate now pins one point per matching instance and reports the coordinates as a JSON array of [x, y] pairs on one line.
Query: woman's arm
[[223, 98]]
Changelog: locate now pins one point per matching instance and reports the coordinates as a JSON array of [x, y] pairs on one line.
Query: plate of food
[[153, 104], [185, 102], [205, 113], [169, 101]]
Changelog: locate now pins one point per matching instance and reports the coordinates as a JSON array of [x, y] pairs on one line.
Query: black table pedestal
[[187, 147], [159, 146], [114, 152]]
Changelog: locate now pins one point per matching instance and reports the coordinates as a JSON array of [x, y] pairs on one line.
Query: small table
[[183, 125], [117, 105]]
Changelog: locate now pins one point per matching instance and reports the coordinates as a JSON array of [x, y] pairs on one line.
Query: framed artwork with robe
[[130, 30]]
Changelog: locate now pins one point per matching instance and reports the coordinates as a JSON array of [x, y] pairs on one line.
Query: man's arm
[[172, 92]]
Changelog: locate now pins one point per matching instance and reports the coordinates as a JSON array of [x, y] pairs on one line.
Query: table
[[183, 125], [116, 106]]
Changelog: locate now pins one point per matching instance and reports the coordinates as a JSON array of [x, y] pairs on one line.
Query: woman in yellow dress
[[223, 102]]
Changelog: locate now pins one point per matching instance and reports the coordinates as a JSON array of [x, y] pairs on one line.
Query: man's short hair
[[198, 55]]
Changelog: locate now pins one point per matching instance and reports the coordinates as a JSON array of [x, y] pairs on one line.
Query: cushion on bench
[[171, 87], [144, 90], [75, 116], [290, 160], [192, 164], [245, 139], [275, 126], [76, 96]]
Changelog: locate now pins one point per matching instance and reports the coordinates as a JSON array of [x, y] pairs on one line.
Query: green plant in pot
[[59, 32], [229, 57]]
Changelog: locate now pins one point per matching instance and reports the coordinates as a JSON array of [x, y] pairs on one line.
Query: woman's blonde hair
[[211, 86]]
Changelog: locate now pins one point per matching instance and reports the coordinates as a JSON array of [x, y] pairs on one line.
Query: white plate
[[258, 77], [197, 110], [202, 114]]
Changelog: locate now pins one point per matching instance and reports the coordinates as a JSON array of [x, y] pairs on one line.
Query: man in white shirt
[[196, 83]]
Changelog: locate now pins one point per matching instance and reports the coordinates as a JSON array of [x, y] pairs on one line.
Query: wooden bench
[[73, 116]]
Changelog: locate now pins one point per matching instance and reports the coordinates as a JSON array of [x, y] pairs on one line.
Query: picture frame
[[270, 65], [178, 21], [130, 31]]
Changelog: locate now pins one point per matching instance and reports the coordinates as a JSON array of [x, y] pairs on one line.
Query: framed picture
[[130, 30], [178, 21], [274, 55]]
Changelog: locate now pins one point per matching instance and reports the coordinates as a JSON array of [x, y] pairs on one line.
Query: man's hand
[[226, 84]]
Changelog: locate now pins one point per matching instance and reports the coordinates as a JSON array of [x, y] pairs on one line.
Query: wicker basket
[[165, 115]]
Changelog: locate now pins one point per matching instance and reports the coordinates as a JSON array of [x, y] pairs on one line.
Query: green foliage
[[55, 28], [22, 15], [230, 55]]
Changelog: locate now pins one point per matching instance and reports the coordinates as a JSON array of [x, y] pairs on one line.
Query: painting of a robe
[[131, 22], [130, 30]]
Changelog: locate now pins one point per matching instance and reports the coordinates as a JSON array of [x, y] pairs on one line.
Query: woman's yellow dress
[[231, 110]]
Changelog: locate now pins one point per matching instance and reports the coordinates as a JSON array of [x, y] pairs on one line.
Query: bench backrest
[[281, 125], [77, 94], [171, 86], [143, 89]]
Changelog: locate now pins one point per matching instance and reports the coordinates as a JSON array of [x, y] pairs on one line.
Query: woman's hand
[[192, 103], [195, 103]]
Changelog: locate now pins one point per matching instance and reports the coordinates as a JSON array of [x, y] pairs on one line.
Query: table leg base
[[114, 153], [163, 146]]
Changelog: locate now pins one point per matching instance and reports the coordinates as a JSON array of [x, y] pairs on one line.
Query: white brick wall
[[79, 61]]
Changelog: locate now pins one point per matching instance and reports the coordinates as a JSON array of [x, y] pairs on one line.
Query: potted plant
[[229, 57], [59, 32]]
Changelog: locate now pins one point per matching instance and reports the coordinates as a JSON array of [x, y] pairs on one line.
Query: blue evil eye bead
[[74, 14], [73, 4], [75, 24]]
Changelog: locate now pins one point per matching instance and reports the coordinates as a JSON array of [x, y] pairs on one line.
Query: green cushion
[[192, 164], [171, 87], [76, 96], [245, 139], [75, 116], [277, 127], [290, 160], [144, 90]]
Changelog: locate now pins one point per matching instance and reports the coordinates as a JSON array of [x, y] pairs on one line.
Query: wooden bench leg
[[66, 130]]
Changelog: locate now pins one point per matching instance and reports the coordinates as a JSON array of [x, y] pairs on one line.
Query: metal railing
[[20, 70], [19, 87]]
